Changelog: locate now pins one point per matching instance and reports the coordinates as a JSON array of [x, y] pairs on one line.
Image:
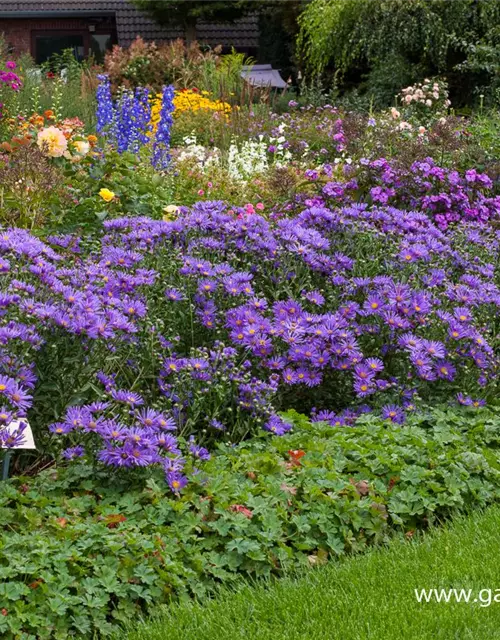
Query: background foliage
[[385, 44]]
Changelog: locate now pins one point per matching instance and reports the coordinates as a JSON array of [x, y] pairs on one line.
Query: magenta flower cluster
[[9, 80], [444, 194]]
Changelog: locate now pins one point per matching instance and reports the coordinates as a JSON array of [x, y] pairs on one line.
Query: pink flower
[[249, 209], [259, 206], [239, 508], [10, 64], [210, 185], [201, 192]]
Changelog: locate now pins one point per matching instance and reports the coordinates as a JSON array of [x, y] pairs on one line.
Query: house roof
[[130, 22]]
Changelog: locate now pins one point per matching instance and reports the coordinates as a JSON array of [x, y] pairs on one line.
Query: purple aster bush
[[214, 390], [226, 320], [121, 433], [60, 319], [402, 314], [446, 195]]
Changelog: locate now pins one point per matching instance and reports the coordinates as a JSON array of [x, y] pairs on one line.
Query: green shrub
[[81, 553]]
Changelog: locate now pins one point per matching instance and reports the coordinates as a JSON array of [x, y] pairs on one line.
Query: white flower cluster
[[243, 159], [247, 159], [191, 150]]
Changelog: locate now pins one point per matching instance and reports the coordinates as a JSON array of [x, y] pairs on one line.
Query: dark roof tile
[[130, 22]]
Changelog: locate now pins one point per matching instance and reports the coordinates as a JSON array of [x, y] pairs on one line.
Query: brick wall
[[17, 32]]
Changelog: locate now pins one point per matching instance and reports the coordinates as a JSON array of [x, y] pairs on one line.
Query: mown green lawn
[[366, 597]]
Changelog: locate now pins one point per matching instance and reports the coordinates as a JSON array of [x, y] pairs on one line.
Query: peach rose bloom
[[52, 142]]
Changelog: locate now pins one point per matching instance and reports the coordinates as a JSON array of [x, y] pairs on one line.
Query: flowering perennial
[[126, 122]]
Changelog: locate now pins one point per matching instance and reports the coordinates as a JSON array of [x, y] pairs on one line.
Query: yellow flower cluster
[[189, 100]]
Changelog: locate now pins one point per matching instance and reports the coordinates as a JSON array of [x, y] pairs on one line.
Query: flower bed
[[170, 310], [84, 552], [222, 320]]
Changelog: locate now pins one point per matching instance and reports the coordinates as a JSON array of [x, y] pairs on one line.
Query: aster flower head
[[176, 481], [393, 413], [277, 425], [445, 370], [13, 438], [217, 424], [198, 452], [73, 452], [175, 295], [316, 297], [374, 364], [128, 397]]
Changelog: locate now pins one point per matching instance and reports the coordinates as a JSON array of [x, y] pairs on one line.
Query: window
[[85, 42], [99, 44], [46, 45]]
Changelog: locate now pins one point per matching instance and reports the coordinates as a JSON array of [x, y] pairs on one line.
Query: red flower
[[296, 455], [4, 612], [239, 508]]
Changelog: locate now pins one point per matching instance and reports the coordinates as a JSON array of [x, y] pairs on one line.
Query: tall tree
[[187, 13], [401, 40]]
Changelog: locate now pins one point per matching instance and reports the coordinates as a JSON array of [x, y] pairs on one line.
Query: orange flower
[[49, 114], [296, 455], [21, 142], [36, 584], [92, 140]]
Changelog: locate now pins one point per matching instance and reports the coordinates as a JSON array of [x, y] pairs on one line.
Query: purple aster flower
[[197, 451], [176, 481], [374, 364], [128, 397], [174, 295], [73, 452], [277, 425], [60, 428], [393, 413], [216, 424], [445, 370], [167, 442], [315, 297]]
